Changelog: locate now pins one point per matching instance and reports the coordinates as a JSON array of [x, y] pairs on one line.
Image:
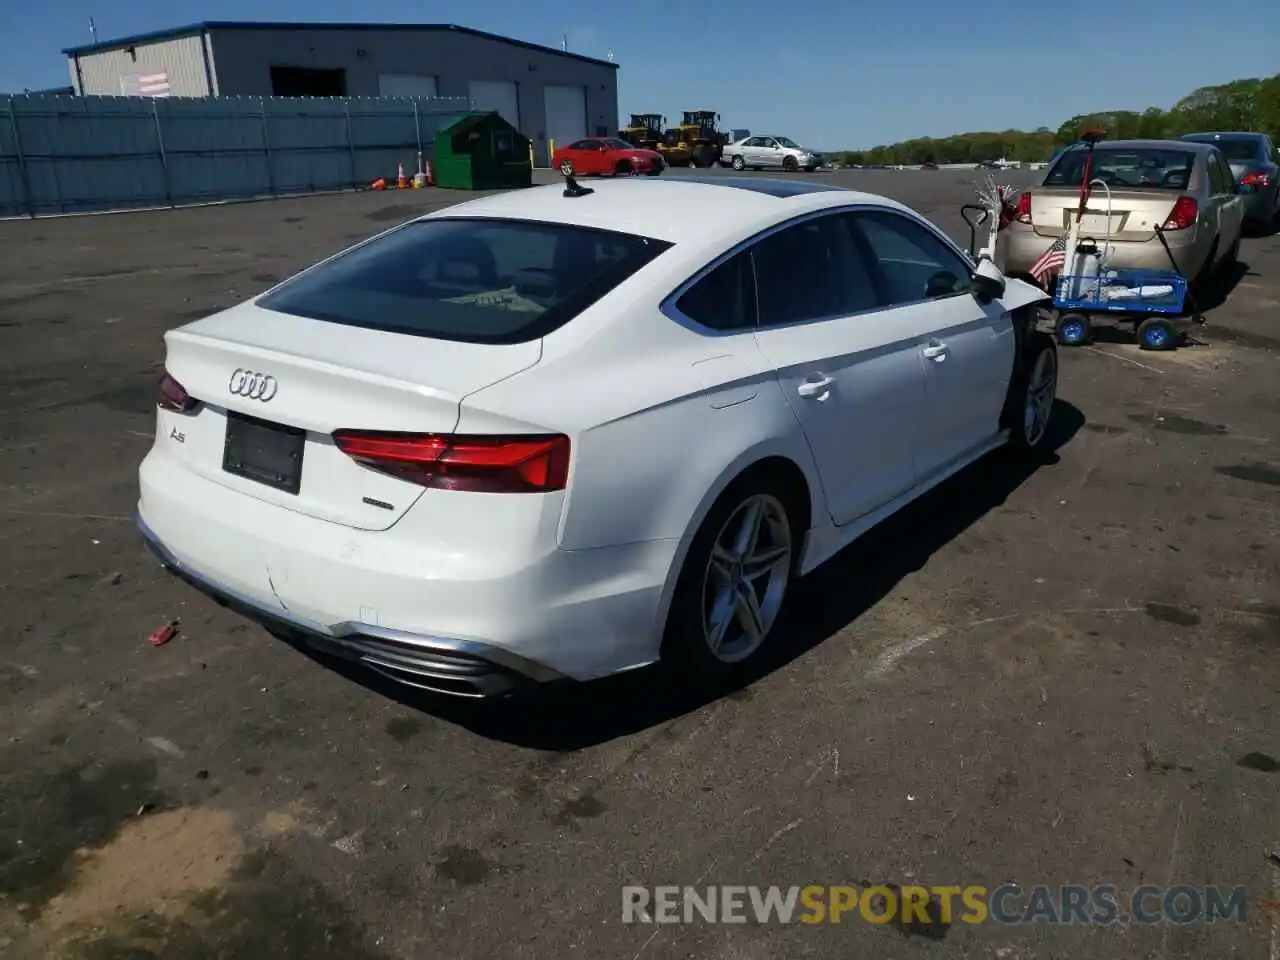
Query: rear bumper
[[1020, 247], [470, 606], [439, 664]]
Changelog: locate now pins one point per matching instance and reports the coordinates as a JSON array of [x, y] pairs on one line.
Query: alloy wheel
[[1042, 388], [746, 578]]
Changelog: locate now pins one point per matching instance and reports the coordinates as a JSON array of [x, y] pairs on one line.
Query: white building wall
[[181, 59]]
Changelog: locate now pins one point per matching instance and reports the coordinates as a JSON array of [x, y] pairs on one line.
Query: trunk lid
[[325, 377], [1133, 214]]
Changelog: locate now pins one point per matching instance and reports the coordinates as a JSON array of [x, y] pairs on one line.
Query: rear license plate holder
[[1098, 225], [264, 452]]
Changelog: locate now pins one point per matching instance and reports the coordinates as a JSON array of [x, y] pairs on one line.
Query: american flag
[[148, 85], [1050, 262]]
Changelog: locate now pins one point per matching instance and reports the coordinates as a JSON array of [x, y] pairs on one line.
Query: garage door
[[497, 95], [405, 85], [566, 113]]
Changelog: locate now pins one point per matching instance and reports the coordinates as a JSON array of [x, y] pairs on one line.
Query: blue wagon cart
[[1152, 300]]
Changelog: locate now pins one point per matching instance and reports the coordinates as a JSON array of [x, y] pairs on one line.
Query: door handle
[[936, 351], [814, 388]]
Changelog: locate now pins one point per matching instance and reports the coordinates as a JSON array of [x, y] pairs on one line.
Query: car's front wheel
[[789, 164], [1032, 393], [733, 582], [566, 167]]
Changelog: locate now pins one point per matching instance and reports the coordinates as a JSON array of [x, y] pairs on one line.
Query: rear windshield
[[1159, 167], [1236, 148], [481, 281]]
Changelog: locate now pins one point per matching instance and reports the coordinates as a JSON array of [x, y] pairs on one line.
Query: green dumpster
[[481, 151]]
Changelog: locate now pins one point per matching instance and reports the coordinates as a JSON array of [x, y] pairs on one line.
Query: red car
[[600, 155]]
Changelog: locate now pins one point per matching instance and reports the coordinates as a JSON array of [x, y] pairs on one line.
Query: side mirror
[[987, 281]]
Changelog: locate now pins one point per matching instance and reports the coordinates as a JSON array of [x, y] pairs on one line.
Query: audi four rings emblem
[[254, 386]]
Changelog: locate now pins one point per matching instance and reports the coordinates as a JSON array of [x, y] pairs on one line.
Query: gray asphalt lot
[[1061, 675]]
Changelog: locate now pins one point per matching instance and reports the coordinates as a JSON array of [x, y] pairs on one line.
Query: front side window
[[473, 280], [810, 271], [914, 264], [783, 141]]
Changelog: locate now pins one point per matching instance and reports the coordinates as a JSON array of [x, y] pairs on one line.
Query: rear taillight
[[173, 396], [1183, 215], [1024, 208], [480, 464], [1255, 180]]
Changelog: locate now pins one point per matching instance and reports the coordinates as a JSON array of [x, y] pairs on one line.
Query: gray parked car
[[777, 153], [1253, 161]]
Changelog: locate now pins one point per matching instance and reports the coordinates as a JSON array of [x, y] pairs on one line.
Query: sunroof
[[772, 188]]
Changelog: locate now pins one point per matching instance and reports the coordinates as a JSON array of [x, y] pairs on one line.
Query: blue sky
[[843, 74]]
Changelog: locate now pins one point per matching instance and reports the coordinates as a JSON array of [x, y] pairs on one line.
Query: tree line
[[1252, 105]]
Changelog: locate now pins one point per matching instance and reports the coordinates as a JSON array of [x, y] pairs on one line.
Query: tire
[[739, 164], [1032, 392], [1232, 257], [1157, 333], [789, 164], [702, 603], [1072, 329], [1208, 270], [623, 169], [566, 168]]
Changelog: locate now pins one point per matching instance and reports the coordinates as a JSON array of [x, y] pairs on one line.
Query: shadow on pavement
[[829, 599], [1217, 290]]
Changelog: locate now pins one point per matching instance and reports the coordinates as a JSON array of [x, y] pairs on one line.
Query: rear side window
[[810, 271], [1157, 167], [479, 281], [724, 299]]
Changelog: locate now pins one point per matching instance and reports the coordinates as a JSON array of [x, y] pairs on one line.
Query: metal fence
[[78, 154]]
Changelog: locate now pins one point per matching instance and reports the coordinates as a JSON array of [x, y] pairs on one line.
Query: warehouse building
[[544, 92]]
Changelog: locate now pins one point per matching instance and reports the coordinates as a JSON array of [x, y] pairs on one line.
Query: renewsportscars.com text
[[1008, 904]]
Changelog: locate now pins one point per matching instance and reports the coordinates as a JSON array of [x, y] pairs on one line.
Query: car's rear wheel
[[734, 580], [739, 164], [1208, 270], [1232, 257], [1032, 394]]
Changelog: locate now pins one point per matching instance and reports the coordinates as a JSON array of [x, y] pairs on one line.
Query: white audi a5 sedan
[[560, 433]]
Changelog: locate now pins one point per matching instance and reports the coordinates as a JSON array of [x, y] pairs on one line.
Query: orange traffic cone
[[379, 184], [401, 182]]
